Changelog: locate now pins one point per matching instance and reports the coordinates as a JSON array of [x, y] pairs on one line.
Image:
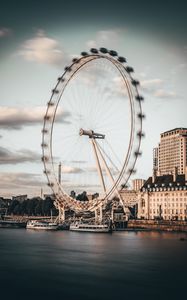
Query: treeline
[[83, 196], [32, 207]]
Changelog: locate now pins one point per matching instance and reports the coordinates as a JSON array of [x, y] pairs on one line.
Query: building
[[137, 184], [172, 152], [164, 197], [155, 159], [129, 197]]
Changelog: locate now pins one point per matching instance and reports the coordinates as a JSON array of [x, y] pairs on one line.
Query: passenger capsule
[[45, 158], [113, 53], [139, 98], [132, 171], [84, 53], [129, 69], [141, 116], [140, 134], [50, 103], [44, 131], [135, 82], [61, 79], [137, 153], [44, 145], [74, 59], [103, 50], [54, 91], [47, 117], [94, 50], [121, 59], [67, 69], [46, 172]]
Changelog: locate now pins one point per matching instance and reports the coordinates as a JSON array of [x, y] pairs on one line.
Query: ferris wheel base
[[99, 215]]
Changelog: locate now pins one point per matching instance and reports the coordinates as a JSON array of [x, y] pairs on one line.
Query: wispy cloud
[[43, 49], [78, 161], [157, 88], [151, 85], [7, 157], [20, 183], [71, 170], [165, 94], [5, 32], [14, 118], [105, 38]]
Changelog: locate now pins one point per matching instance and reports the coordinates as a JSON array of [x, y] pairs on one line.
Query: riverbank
[[158, 225], [131, 225]]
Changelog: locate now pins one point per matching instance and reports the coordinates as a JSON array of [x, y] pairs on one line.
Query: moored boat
[[12, 224], [41, 225], [83, 227]]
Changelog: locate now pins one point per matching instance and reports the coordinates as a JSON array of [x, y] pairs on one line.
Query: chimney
[[175, 174]]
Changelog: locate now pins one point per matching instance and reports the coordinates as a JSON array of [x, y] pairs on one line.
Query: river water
[[71, 265]]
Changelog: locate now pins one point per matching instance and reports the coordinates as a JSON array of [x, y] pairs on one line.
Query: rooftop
[[178, 128], [165, 181]]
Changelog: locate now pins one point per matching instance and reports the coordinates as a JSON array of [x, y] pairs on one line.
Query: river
[[70, 265]]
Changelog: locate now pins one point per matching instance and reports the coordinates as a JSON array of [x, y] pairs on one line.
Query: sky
[[39, 38]]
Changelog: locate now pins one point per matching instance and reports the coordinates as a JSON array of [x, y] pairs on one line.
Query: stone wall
[[159, 225]]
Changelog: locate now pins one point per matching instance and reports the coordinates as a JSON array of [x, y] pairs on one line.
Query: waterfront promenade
[[151, 225], [158, 225]]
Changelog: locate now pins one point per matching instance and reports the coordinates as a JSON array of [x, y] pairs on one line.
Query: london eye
[[92, 130]]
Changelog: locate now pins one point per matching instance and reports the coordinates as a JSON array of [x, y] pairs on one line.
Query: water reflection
[[72, 265]]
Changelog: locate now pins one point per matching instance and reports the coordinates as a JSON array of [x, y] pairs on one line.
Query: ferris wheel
[[92, 130]]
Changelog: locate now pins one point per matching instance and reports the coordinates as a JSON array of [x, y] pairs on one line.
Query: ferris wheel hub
[[91, 134]]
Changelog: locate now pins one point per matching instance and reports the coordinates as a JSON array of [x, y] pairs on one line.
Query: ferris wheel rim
[[118, 65]]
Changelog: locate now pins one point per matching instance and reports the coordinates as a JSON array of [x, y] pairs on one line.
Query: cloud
[[42, 49], [151, 85], [79, 188], [95, 170], [78, 161], [8, 157], [105, 38], [157, 88], [71, 170], [5, 32], [20, 183], [164, 94], [118, 87], [14, 118]]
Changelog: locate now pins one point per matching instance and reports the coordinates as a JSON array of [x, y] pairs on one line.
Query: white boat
[[90, 227], [41, 225]]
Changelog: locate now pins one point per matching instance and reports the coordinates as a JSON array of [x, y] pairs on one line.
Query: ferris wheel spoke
[[99, 96], [108, 157]]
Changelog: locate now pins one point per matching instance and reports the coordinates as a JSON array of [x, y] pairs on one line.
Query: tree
[[82, 197]]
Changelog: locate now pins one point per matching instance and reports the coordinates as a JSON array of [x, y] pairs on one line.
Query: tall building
[[172, 152], [155, 159], [137, 184]]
